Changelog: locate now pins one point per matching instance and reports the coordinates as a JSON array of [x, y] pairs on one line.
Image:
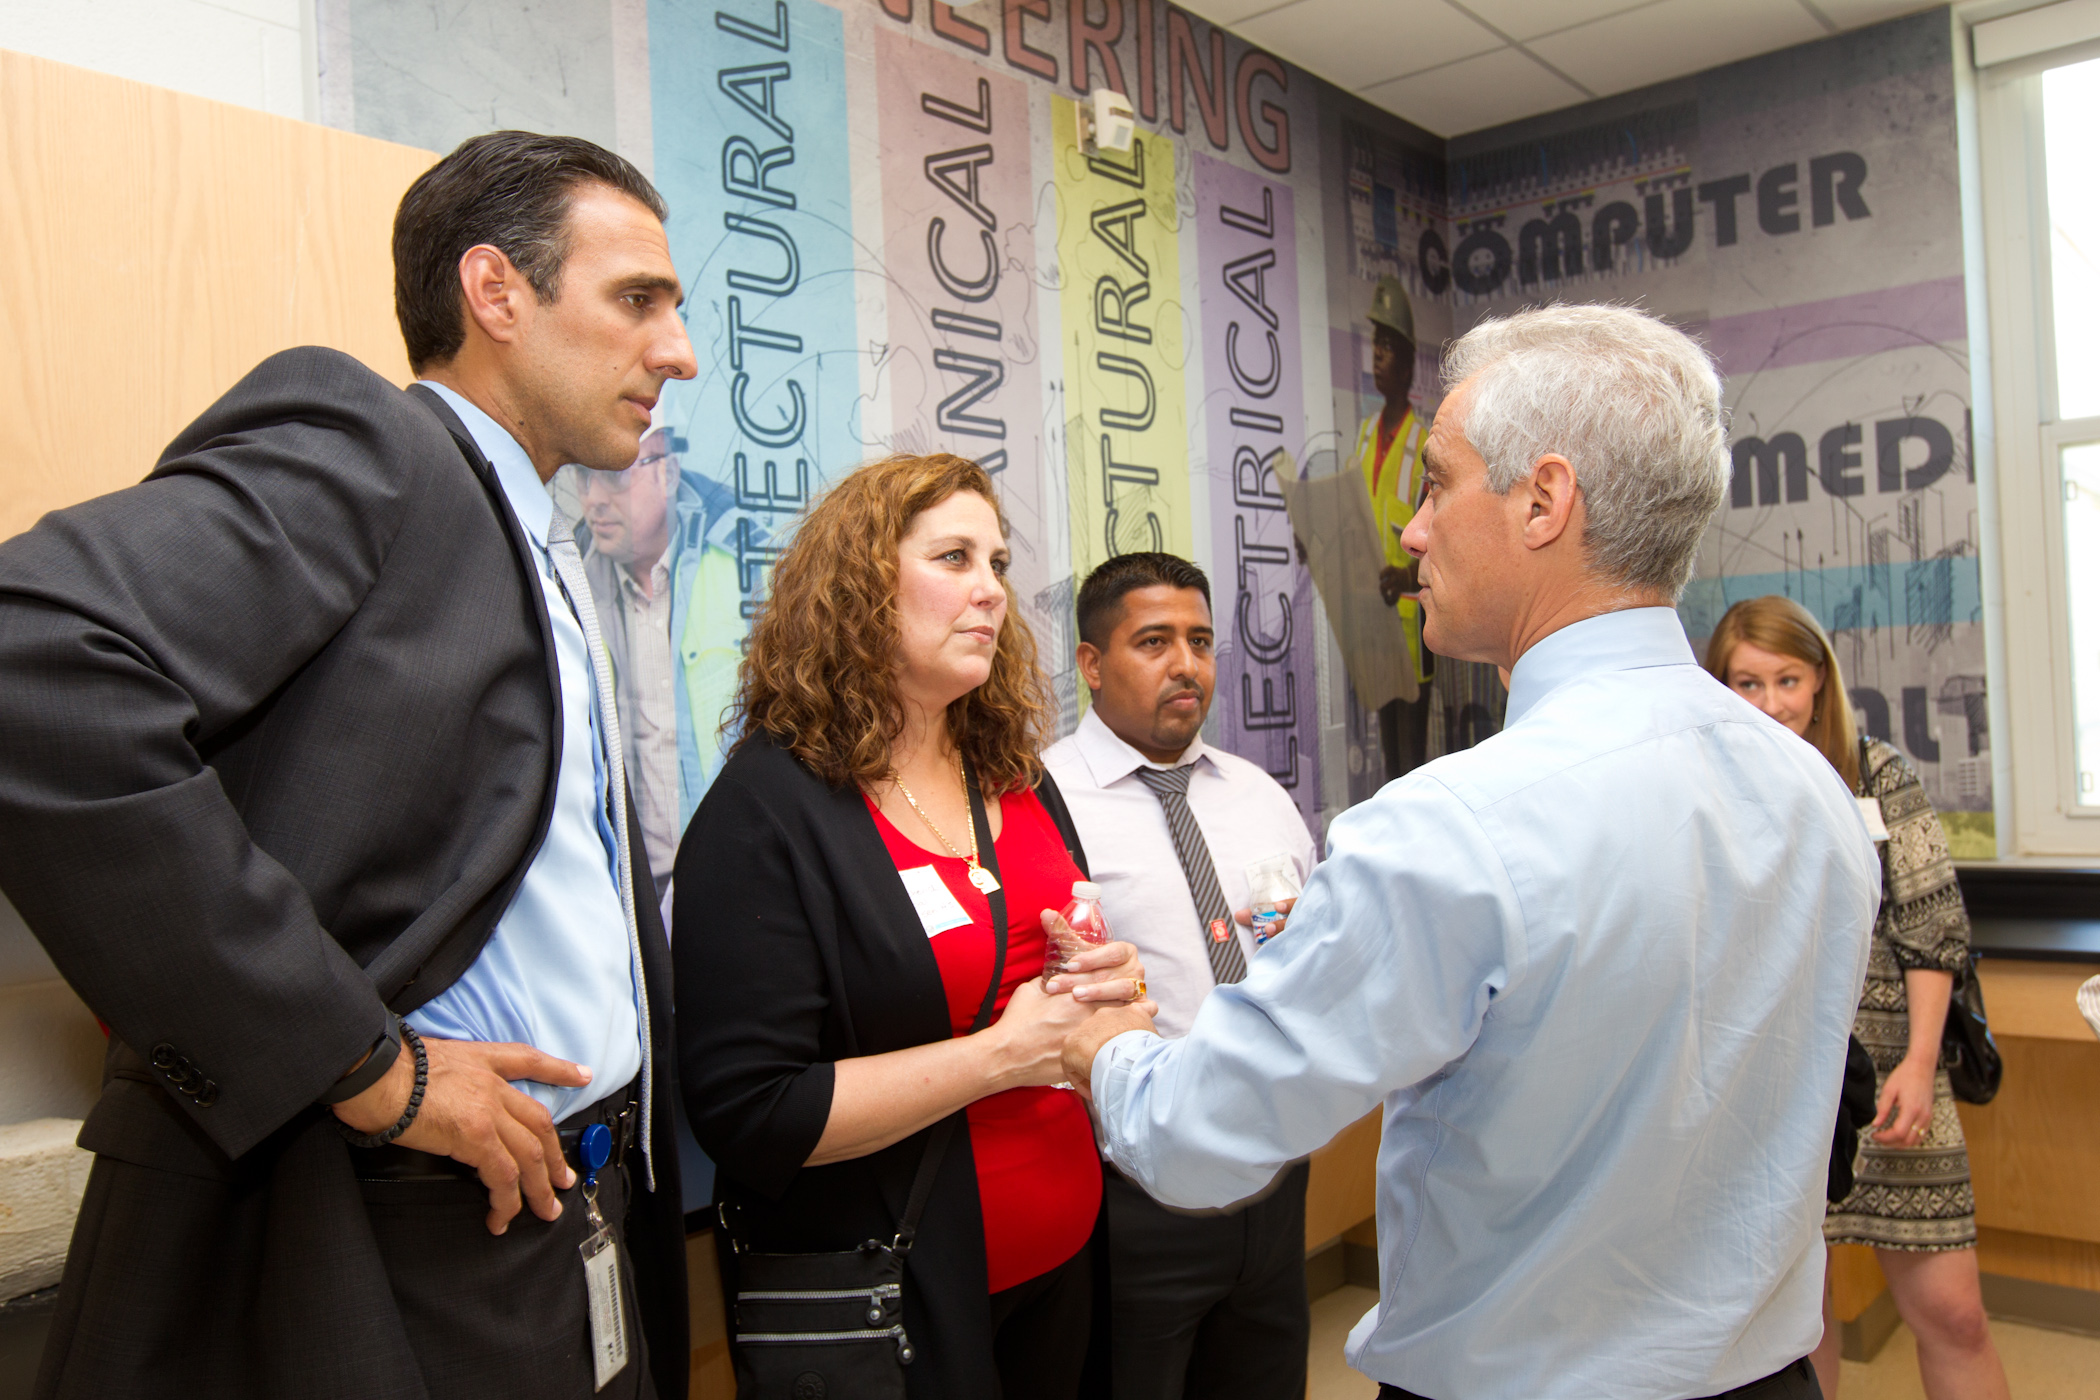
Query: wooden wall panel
[[153, 247], [2038, 1000], [1856, 1280], [2034, 1151], [1343, 1187], [713, 1375], [2042, 1258]]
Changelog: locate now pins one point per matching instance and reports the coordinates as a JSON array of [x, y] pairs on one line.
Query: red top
[[1038, 1174]]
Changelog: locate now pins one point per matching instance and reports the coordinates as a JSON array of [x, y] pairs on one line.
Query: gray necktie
[[568, 569], [1171, 787]]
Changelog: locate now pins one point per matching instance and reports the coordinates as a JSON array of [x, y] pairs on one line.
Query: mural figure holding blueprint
[[1389, 453], [666, 595]]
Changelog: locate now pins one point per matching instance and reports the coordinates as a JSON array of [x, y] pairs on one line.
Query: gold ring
[[1140, 985]]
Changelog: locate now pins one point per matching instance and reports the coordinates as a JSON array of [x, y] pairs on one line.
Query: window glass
[[2081, 468], [2071, 126]]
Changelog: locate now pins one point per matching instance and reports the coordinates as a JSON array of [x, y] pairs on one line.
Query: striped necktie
[[568, 570], [1171, 787]]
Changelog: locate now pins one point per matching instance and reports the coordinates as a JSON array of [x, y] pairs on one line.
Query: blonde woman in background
[[1911, 1199]]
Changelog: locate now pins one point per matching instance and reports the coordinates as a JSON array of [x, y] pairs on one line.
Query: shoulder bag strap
[[944, 1131], [1053, 800]]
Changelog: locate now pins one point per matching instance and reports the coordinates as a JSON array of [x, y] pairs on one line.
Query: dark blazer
[[796, 946], [277, 743]]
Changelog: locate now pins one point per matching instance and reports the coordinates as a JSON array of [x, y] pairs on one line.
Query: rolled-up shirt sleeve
[[1391, 960]]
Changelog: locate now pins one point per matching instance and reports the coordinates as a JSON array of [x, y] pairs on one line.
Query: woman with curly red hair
[[852, 1005]]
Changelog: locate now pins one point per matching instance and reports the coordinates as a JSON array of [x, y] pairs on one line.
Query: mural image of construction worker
[[661, 584], [1389, 453]]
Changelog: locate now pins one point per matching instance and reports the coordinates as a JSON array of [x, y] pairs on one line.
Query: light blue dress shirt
[[1599, 969], [558, 972]]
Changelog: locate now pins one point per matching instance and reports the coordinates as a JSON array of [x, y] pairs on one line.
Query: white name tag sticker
[[939, 910], [1870, 812]]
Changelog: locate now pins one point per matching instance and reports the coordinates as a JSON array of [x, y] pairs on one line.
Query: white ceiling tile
[[1673, 38], [1527, 19], [1354, 43], [1856, 14], [1487, 90], [1231, 12]]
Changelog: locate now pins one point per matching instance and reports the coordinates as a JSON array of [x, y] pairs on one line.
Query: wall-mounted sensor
[[1106, 122]]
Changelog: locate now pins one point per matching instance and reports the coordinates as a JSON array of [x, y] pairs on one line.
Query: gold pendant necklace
[[979, 876]]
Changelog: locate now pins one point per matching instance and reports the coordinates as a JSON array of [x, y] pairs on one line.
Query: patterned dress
[[1915, 1198]]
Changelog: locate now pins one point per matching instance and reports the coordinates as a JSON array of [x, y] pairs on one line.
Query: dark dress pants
[[495, 1317], [1209, 1307], [1795, 1382], [1040, 1328]]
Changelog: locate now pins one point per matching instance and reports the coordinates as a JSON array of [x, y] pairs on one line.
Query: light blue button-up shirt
[[557, 973], [1599, 969]]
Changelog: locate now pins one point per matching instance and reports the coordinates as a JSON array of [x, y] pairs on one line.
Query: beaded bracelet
[[415, 1098]]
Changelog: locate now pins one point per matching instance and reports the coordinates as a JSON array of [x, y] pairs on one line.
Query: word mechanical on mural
[[959, 261]]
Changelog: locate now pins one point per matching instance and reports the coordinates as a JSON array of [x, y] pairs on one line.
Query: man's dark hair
[[510, 190], [1101, 596]]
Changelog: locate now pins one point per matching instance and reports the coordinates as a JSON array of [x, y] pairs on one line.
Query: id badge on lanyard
[[601, 1265]]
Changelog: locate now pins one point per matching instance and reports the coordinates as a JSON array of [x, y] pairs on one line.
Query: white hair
[[1632, 403]]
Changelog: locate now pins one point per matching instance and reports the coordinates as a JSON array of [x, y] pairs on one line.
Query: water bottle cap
[[1085, 889]]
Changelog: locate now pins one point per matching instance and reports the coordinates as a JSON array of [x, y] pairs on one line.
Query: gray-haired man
[[1599, 968]]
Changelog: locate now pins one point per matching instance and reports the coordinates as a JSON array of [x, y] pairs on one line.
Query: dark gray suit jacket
[[277, 743]]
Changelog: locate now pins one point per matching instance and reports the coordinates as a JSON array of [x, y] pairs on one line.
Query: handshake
[[1111, 981]]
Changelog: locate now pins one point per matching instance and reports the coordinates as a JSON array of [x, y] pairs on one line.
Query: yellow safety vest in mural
[[1394, 484]]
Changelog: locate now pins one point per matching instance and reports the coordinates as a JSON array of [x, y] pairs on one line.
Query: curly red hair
[[819, 671]]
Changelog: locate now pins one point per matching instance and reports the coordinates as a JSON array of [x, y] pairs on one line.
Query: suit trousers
[[1039, 1331], [501, 1315], [1795, 1382], [1209, 1306]]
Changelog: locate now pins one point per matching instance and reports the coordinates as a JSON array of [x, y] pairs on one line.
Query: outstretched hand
[[472, 1114], [1083, 1044], [1245, 917]]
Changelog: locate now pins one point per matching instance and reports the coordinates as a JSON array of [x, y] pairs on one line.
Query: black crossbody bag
[[808, 1325], [1967, 1052]]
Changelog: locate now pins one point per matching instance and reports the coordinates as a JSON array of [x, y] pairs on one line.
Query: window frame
[[2037, 800]]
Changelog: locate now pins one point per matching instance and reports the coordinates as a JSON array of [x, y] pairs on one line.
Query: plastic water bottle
[[1088, 923], [1270, 882]]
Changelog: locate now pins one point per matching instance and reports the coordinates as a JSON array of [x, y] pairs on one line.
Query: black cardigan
[[796, 946]]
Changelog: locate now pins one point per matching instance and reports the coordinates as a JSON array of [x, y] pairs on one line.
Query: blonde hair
[[819, 672], [1785, 628]]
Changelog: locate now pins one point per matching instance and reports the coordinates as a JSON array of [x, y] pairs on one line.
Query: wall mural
[[893, 240]]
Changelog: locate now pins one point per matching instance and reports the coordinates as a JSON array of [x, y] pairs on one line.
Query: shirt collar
[[659, 579], [522, 487], [1111, 760], [1630, 640]]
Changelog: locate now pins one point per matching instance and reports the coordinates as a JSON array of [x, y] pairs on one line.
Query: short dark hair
[[510, 190], [1101, 596]]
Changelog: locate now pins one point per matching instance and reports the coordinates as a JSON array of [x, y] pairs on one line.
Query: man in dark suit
[[309, 735]]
